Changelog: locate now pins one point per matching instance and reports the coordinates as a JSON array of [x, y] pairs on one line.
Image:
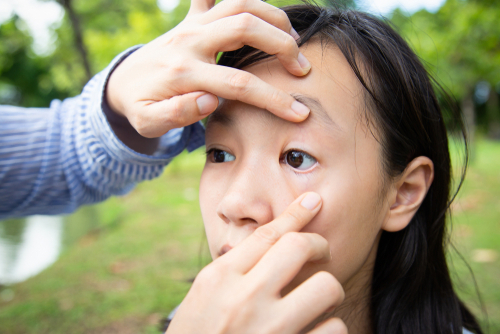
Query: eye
[[299, 160], [218, 156]]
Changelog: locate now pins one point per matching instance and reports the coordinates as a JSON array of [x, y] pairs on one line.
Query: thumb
[[177, 112], [207, 103]]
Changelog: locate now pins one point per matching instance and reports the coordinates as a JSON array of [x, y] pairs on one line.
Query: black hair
[[411, 290]]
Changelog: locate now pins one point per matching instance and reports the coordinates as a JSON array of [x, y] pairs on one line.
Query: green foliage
[[460, 43], [109, 27], [24, 77]]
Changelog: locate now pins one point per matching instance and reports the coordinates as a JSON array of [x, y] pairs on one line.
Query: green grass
[[476, 235], [136, 263], [129, 271]]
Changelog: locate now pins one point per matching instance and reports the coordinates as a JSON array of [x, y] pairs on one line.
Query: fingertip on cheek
[[311, 201]]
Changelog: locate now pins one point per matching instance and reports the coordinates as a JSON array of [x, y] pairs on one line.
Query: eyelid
[[210, 148], [297, 150]]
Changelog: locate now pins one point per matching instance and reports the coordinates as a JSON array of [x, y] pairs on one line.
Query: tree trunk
[[78, 35], [468, 113], [492, 108]]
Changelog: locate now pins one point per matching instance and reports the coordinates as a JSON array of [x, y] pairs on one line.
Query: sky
[[40, 16], [386, 6]]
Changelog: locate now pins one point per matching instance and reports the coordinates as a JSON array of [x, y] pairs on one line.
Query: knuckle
[[288, 44], [330, 286], [268, 234], [177, 115], [140, 124], [210, 275], [282, 19], [239, 82], [243, 24], [275, 98], [179, 67], [180, 37], [205, 275]]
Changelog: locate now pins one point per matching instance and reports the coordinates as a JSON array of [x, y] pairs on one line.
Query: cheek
[[350, 220]]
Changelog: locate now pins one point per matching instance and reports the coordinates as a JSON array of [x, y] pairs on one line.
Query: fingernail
[[303, 62], [205, 104], [294, 34], [311, 201], [300, 109]]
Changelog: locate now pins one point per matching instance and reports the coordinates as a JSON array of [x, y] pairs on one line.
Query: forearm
[[55, 159]]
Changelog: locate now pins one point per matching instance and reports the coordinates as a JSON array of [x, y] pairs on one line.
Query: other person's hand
[[240, 292], [174, 81]]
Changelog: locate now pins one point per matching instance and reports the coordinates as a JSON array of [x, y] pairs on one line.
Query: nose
[[250, 197]]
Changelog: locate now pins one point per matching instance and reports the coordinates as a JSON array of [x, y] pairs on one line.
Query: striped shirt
[[52, 160]]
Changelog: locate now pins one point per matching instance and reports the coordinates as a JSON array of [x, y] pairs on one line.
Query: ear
[[408, 193]]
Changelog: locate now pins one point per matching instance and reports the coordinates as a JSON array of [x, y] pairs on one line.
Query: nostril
[[223, 217], [249, 220]]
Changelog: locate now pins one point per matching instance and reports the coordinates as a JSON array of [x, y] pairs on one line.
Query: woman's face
[[258, 164]]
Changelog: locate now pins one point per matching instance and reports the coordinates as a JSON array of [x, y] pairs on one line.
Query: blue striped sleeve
[[52, 160]]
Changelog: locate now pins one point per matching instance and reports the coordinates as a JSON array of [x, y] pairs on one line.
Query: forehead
[[330, 89]]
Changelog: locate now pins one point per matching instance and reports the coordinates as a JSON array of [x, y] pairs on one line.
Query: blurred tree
[[460, 45], [77, 34], [93, 32], [24, 76]]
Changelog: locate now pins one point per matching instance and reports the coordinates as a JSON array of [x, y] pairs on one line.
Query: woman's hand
[[174, 81], [239, 292]]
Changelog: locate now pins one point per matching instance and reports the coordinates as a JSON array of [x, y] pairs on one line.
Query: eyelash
[[283, 159], [210, 152]]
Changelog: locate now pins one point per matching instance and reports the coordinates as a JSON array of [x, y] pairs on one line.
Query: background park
[[124, 264]]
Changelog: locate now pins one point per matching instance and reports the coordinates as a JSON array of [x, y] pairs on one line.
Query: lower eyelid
[[302, 172]]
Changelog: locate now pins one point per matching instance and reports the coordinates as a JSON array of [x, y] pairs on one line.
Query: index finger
[[244, 256], [234, 84]]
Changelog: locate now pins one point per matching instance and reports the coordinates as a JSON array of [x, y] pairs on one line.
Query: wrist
[[126, 133]]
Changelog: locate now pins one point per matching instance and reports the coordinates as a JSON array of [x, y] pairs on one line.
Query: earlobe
[[409, 193]]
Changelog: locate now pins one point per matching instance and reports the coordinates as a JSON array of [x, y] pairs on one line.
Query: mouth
[[226, 248]]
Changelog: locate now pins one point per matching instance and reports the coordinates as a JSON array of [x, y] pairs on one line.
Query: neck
[[355, 310]]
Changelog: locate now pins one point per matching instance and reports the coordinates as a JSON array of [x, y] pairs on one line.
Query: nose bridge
[[249, 198]]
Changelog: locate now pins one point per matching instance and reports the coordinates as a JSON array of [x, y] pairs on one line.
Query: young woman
[[375, 149]]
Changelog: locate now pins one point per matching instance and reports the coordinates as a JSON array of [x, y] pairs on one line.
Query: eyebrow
[[318, 112]]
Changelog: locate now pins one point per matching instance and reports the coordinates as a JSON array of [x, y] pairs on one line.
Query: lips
[[226, 248]]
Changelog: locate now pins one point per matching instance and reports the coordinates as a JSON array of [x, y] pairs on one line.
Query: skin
[[239, 196]]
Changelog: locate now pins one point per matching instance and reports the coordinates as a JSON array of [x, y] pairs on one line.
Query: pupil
[[219, 156], [295, 159]]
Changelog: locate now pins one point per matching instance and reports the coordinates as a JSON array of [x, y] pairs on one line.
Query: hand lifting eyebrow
[[318, 112]]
